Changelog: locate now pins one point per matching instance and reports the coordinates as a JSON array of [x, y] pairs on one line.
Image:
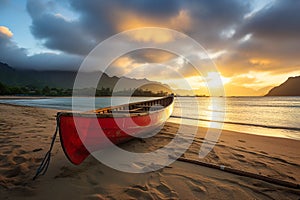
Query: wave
[[242, 123], [270, 106]]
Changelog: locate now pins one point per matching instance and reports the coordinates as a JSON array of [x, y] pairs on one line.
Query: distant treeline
[[33, 91], [140, 92], [47, 91]]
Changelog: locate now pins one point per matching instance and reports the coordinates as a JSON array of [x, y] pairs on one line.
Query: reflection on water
[[271, 116]]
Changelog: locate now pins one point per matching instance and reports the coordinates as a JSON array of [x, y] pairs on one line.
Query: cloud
[[245, 79], [256, 83], [265, 41], [106, 15], [9, 51], [148, 63], [98, 20], [279, 21], [56, 32], [149, 35], [62, 35], [18, 57], [132, 20], [154, 8], [151, 56], [5, 32], [212, 19], [54, 61], [274, 44]]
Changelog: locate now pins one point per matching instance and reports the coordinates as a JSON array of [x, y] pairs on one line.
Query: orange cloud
[[5, 31], [152, 55], [260, 61], [130, 20], [123, 61], [182, 21], [156, 36]]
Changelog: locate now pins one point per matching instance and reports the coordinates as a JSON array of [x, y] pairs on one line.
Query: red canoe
[[118, 124]]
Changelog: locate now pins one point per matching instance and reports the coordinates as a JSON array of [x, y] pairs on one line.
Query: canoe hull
[[81, 134]]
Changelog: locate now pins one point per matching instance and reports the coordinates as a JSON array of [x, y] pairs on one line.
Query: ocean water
[[270, 116]]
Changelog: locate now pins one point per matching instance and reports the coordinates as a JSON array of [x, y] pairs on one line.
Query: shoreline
[[7, 97], [175, 123], [264, 131], [26, 135]]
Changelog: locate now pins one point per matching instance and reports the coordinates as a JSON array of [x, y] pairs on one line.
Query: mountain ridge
[[288, 88], [65, 79]]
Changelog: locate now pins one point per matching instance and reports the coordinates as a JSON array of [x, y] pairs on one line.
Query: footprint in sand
[[215, 156], [263, 152], [2, 157], [8, 145], [19, 159], [197, 187], [22, 152], [38, 160], [69, 172], [18, 170], [243, 148], [137, 193], [220, 145], [142, 187], [242, 161], [36, 150], [7, 152], [260, 164], [164, 191], [238, 155], [12, 172]]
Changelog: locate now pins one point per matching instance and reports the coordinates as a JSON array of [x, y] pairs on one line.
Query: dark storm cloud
[[275, 31], [151, 56], [96, 17], [36, 8], [259, 57], [217, 25], [99, 19], [217, 14], [280, 20], [51, 61], [274, 38], [208, 18], [58, 33], [153, 8], [18, 57], [9, 51], [212, 18]]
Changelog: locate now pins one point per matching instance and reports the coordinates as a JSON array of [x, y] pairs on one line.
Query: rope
[[45, 163], [243, 173]]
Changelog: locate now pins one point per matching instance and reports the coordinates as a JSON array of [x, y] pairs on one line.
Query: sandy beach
[[25, 135]]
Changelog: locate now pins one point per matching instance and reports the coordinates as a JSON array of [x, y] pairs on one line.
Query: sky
[[255, 44]]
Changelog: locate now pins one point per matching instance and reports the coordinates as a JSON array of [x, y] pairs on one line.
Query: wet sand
[[25, 135]]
